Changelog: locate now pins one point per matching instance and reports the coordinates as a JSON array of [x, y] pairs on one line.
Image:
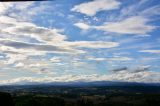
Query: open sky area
[[80, 40]]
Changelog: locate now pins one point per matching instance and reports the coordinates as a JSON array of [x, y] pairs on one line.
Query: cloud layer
[[93, 40], [145, 77]]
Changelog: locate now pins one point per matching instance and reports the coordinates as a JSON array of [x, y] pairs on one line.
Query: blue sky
[[80, 40]]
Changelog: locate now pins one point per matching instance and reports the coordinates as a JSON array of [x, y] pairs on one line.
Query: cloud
[[131, 25], [145, 76], [43, 70], [26, 11], [96, 59], [12, 58], [151, 11], [66, 47], [92, 7], [4, 7], [46, 39], [27, 29], [37, 47], [151, 51], [35, 65], [19, 65], [21, 10], [139, 8], [23, 6], [142, 68], [92, 44], [122, 76], [118, 58], [119, 69], [82, 26], [55, 60], [13, 22]]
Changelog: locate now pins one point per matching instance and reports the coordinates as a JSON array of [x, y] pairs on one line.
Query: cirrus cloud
[[151, 51], [92, 7], [132, 25]]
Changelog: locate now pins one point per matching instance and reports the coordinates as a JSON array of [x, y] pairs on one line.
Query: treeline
[[6, 99], [85, 100], [92, 100]]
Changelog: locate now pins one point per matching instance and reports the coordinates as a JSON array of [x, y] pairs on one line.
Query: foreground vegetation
[[81, 96], [95, 100]]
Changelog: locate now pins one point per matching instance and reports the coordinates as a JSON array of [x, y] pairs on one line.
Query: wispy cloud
[[151, 51], [92, 7], [119, 58], [19, 65], [131, 25], [4, 7]]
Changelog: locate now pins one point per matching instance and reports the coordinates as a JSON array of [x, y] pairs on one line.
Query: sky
[[79, 40]]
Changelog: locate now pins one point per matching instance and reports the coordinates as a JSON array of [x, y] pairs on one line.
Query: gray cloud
[[120, 69], [142, 68], [39, 47]]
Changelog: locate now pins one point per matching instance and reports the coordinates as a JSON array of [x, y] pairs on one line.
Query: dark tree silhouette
[[6, 99]]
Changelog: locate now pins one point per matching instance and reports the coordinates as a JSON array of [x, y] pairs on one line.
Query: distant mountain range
[[103, 83], [97, 87], [95, 83]]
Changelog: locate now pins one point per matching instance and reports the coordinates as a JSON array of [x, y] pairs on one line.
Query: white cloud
[[151, 11], [20, 10], [12, 58], [19, 65], [25, 11], [7, 21], [151, 51], [124, 76], [36, 65], [92, 7], [55, 60], [120, 59], [92, 44], [1, 57], [40, 33], [14, 27], [110, 59], [23, 47], [131, 25], [23, 5], [96, 59], [139, 8], [49, 39], [145, 76], [4, 7], [82, 26]]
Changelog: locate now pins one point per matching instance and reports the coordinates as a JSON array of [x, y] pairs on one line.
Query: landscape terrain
[[81, 94]]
